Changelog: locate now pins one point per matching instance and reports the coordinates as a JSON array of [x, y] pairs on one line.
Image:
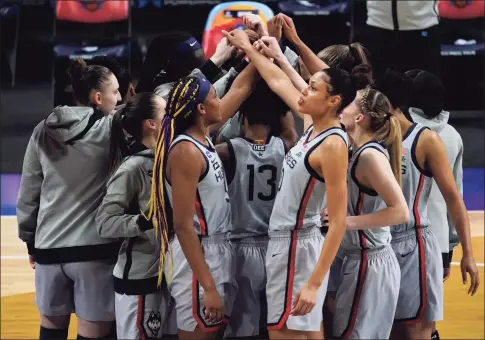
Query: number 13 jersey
[[252, 190], [301, 192]]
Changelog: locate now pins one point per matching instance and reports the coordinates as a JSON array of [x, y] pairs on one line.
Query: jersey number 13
[[271, 182]]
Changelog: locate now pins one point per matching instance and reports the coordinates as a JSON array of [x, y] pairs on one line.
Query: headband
[[204, 89], [188, 46]]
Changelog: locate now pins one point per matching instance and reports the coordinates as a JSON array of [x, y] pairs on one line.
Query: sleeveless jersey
[[212, 207], [253, 189], [301, 192], [416, 182], [362, 201]]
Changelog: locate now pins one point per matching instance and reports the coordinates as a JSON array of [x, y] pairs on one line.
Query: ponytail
[[384, 125], [181, 108], [118, 148], [393, 141]]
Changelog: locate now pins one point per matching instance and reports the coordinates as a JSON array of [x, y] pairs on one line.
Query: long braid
[[180, 106]]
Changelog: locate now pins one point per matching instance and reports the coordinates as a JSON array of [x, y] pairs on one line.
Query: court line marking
[[24, 257]]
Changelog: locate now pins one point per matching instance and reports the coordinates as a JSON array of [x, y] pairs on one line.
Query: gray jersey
[[119, 216], [252, 191], [362, 201], [213, 210], [64, 175], [416, 182], [301, 192]]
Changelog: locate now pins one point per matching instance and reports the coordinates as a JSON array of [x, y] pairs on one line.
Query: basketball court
[[464, 314]]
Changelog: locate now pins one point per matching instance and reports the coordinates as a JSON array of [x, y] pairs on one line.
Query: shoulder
[[184, 152], [334, 143], [371, 156], [223, 151]]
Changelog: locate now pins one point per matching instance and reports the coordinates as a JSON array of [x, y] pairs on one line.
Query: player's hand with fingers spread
[[469, 266], [305, 300], [224, 52], [214, 306], [238, 39], [271, 48], [289, 29], [255, 23]]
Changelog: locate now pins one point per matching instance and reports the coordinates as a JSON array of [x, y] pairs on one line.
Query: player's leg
[[54, 299], [94, 297]]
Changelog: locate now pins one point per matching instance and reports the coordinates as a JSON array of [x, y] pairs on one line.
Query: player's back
[[253, 188]]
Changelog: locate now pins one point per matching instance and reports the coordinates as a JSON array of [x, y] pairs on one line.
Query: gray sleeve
[[221, 86], [112, 219], [291, 56], [458, 175], [28, 201], [231, 129]]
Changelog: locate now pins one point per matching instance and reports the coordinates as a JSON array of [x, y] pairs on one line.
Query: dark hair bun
[[398, 88], [362, 76], [76, 69]]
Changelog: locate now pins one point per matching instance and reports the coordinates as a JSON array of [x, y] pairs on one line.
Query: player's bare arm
[[437, 162], [374, 171], [186, 164]]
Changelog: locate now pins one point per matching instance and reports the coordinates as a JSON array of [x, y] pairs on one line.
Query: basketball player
[[142, 310], [63, 181], [127, 89], [375, 201], [252, 164], [427, 109], [200, 272], [298, 260], [424, 158]]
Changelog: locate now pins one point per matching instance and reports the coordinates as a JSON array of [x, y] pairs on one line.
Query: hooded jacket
[[120, 216], [441, 224], [64, 175]]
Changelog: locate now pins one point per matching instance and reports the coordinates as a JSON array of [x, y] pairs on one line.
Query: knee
[[96, 329], [55, 322]]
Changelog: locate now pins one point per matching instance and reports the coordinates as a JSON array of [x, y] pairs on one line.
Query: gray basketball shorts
[[290, 260], [250, 261], [186, 289], [367, 295], [335, 272], [83, 288], [143, 316], [421, 291]]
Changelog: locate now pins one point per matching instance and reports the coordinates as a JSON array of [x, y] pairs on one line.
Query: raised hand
[[270, 48], [275, 27], [255, 22], [289, 28], [238, 39], [224, 52]]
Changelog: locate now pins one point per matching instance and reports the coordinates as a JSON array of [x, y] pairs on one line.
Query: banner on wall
[[92, 11], [228, 16]]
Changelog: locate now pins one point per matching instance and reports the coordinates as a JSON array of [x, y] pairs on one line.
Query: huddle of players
[[253, 239]]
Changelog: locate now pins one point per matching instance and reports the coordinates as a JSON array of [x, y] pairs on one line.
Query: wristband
[[143, 224], [446, 260], [30, 248]]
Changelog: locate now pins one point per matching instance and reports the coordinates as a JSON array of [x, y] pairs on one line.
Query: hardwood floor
[[464, 314]]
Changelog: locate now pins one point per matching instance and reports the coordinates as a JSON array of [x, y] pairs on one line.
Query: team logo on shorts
[[154, 322]]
